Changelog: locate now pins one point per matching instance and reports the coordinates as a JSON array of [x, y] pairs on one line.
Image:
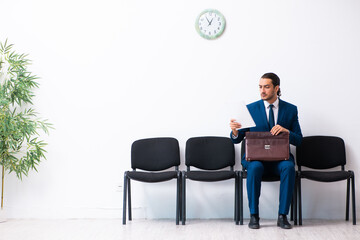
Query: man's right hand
[[234, 125]]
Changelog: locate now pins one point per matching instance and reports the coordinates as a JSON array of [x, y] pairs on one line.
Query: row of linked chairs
[[210, 159]]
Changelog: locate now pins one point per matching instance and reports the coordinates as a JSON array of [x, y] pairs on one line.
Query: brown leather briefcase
[[264, 146]]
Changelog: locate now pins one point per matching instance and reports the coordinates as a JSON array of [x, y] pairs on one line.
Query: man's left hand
[[278, 129]]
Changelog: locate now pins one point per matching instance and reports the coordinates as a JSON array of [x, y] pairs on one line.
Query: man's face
[[267, 90]]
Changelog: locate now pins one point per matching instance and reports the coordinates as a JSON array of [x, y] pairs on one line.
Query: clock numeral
[[200, 28], [209, 33], [214, 31], [210, 14], [218, 18], [219, 23], [218, 28]]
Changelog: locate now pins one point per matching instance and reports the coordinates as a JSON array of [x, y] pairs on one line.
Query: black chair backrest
[[209, 153], [321, 152], [155, 154]]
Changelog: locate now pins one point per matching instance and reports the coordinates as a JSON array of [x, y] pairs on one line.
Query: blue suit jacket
[[287, 118]]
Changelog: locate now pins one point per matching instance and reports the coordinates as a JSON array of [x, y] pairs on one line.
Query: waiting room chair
[[153, 156], [323, 153], [265, 178], [210, 156]]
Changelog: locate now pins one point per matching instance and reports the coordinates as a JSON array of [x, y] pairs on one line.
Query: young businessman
[[274, 115]]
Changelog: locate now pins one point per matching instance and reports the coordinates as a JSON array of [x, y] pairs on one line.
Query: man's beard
[[267, 97]]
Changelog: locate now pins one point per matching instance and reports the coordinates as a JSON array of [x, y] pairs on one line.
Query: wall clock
[[210, 24]]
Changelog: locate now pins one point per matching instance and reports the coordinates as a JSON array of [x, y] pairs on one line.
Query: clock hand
[[207, 19], [211, 21]]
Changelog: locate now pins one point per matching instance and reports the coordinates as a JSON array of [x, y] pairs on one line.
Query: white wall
[[116, 71]]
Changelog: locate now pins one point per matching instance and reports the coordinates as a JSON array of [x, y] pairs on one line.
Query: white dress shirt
[[275, 109]]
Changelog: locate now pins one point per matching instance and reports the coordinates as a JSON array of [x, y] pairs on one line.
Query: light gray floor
[[108, 229]]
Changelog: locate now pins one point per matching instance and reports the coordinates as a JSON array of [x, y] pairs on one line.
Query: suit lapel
[[281, 112]]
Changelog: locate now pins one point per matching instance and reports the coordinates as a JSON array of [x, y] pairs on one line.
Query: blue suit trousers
[[255, 171]]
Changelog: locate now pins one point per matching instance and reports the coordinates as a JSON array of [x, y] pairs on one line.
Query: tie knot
[[271, 105]]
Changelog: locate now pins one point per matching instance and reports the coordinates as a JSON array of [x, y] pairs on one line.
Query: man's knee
[[255, 167], [287, 167]]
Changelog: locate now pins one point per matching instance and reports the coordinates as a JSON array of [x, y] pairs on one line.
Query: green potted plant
[[21, 148]]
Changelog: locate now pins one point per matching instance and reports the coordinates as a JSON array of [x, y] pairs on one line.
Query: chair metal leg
[[235, 208], [353, 199], [235, 201], [300, 210], [180, 198], [177, 198], [124, 198], [241, 210], [183, 202], [129, 199], [347, 199], [236, 215]]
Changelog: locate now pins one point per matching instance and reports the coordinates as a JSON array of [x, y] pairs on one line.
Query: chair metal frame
[[183, 185], [127, 186], [350, 180]]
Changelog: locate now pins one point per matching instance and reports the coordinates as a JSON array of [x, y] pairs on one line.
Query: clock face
[[210, 24]]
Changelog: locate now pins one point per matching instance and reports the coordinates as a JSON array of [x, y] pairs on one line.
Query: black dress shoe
[[283, 222], [254, 222]]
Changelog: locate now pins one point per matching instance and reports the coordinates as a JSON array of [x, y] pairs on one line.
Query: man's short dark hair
[[275, 80]]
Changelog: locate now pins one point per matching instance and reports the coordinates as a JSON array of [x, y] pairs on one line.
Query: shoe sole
[[284, 226], [254, 227]]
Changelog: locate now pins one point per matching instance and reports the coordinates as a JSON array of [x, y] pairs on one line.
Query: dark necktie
[[271, 117]]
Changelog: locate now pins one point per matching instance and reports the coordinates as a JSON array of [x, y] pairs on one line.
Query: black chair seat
[[209, 176], [332, 176], [152, 177]]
